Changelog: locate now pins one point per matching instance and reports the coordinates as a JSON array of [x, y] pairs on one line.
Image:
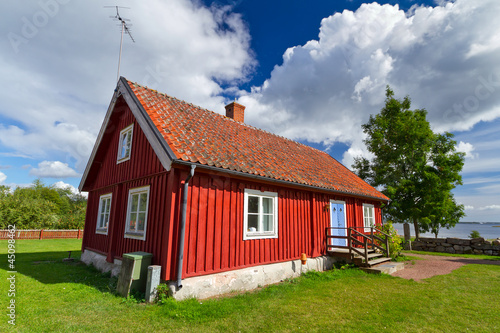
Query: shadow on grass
[[49, 268]]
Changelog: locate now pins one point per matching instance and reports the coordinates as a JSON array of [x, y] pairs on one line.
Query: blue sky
[[311, 70]]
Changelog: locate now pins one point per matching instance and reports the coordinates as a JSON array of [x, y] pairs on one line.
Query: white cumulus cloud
[[74, 190], [58, 63], [325, 89], [466, 148], [3, 177], [490, 207], [53, 169]]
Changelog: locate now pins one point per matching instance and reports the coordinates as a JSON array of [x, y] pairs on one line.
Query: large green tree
[[415, 167]]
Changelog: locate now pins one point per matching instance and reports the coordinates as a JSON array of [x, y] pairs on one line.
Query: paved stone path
[[436, 265]]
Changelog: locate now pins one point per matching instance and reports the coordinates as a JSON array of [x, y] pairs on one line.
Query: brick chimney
[[235, 111]]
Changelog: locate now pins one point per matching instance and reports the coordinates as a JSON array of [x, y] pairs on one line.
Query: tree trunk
[[417, 232]]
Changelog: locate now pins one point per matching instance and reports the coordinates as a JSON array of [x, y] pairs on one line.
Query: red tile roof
[[201, 136]]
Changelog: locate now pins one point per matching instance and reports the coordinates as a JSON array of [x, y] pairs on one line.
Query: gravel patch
[[436, 265]]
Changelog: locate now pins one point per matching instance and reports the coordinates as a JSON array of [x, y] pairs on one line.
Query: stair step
[[370, 255], [378, 261]]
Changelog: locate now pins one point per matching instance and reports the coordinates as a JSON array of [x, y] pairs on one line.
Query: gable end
[[155, 139]]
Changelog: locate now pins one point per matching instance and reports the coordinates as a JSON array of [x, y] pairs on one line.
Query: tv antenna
[[125, 29]]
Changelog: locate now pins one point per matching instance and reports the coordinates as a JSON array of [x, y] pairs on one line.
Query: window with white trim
[[137, 213], [103, 214], [125, 144], [368, 216], [260, 215]]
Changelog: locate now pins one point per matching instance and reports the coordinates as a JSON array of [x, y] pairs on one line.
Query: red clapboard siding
[[91, 239], [143, 161], [214, 231]]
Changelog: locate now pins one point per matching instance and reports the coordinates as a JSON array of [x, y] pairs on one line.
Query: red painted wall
[[143, 161], [106, 176], [214, 231]]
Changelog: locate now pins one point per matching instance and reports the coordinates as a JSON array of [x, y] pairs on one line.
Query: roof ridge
[[229, 118]]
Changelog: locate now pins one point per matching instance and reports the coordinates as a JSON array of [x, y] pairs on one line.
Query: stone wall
[[457, 245]]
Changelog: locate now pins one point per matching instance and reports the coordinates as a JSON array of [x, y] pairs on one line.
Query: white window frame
[[103, 199], [141, 235], [368, 221], [127, 131], [260, 234]]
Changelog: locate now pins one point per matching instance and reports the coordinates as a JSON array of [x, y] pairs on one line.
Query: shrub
[[474, 234], [395, 244]]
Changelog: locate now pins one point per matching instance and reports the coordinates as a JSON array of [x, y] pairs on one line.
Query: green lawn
[[472, 256], [71, 297]]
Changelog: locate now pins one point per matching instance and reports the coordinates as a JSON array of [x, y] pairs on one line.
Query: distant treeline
[[41, 207]]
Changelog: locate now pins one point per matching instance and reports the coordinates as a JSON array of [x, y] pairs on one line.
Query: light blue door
[[338, 221]]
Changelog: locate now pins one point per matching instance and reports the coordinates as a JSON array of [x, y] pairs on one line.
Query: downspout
[[182, 232]]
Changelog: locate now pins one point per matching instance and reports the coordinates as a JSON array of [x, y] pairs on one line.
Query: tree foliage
[[41, 207], [415, 167]]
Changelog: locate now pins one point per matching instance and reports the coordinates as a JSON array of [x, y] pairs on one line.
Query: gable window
[[368, 216], [103, 214], [125, 144], [137, 213], [260, 215]]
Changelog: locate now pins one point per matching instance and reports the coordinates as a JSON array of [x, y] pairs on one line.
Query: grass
[[472, 256], [53, 296]]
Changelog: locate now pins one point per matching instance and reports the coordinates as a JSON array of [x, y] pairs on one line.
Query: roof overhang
[[276, 181]]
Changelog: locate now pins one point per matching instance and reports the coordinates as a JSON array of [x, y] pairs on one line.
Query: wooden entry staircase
[[362, 249]]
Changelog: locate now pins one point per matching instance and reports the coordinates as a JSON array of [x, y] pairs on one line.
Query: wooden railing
[[360, 242]]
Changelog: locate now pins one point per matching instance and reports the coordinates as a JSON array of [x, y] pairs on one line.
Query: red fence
[[42, 234]]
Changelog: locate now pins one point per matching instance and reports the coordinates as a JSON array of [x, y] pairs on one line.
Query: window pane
[[253, 222], [125, 144], [132, 225], [142, 202], [267, 223], [140, 223], [135, 199], [108, 204], [106, 220], [267, 204], [253, 204], [128, 139], [101, 221]]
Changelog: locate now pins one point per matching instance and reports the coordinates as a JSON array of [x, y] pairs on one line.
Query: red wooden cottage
[[242, 204]]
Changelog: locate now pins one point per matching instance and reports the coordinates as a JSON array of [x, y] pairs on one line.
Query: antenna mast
[[125, 29]]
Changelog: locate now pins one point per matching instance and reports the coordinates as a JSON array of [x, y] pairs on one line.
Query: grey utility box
[[134, 272], [153, 282]]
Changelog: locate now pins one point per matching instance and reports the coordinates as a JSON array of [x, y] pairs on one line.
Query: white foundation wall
[[246, 279], [99, 261]]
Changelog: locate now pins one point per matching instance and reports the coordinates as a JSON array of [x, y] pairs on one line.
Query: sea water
[[487, 230]]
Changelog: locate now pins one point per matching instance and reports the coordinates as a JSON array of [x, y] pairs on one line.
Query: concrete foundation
[[246, 279], [99, 262]]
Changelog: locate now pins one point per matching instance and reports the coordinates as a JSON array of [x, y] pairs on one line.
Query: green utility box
[[134, 272]]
